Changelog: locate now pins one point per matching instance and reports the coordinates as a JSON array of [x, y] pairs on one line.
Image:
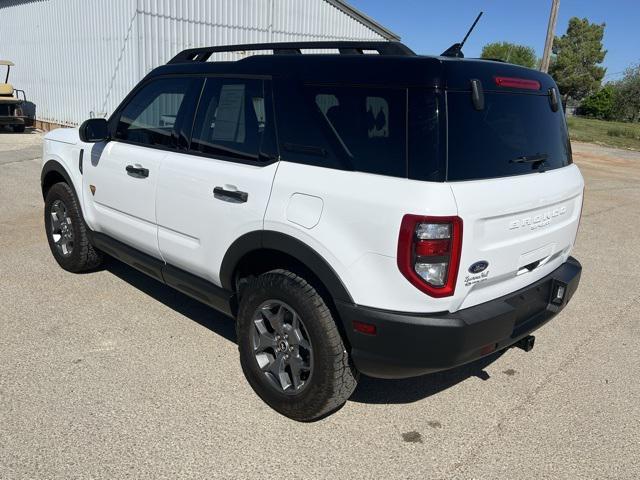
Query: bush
[[600, 104], [511, 53], [627, 96], [619, 100]]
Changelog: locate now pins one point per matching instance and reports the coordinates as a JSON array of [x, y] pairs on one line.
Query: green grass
[[612, 134]]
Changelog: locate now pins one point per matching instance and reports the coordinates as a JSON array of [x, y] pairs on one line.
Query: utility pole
[[551, 29]]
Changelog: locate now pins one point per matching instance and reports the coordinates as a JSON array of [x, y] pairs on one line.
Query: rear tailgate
[[510, 169], [522, 226]]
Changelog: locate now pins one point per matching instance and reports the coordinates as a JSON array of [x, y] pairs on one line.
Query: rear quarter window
[[426, 135], [393, 131], [364, 126]]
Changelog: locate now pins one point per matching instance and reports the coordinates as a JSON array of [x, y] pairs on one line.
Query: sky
[[429, 27]]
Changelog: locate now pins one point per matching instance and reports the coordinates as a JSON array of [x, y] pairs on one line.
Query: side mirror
[[94, 130]]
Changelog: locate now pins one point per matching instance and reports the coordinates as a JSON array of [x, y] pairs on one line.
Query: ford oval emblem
[[478, 267]]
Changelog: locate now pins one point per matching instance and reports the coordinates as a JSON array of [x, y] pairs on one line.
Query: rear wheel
[[290, 348], [19, 128], [67, 232]]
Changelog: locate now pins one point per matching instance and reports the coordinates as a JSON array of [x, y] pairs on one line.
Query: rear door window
[[232, 120], [488, 143]]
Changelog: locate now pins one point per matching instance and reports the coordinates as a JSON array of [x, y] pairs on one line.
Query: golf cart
[[11, 112]]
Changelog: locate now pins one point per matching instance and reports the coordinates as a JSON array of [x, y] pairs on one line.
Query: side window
[[426, 135], [301, 139], [150, 116], [232, 119], [366, 126]]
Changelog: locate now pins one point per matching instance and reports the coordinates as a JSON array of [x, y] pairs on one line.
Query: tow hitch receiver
[[526, 343]]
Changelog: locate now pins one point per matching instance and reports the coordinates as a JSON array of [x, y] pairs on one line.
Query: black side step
[[140, 261], [187, 283], [199, 289]]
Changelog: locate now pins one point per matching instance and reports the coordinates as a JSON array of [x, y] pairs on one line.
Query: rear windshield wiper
[[539, 158]]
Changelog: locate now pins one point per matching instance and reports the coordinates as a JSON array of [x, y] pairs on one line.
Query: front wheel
[[290, 348], [67, 232]]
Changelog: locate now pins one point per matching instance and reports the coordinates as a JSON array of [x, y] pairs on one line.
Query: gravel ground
[[112, 375]]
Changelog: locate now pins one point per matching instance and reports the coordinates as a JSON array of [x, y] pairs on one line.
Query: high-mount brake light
[[513, 82], [429, 253]]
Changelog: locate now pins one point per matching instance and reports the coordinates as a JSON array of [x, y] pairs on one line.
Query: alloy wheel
[[61, 228], [281, 347]]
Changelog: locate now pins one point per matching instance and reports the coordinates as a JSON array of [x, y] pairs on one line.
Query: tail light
[[429, 253]]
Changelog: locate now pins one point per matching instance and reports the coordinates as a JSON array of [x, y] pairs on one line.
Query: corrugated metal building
[[79, 58]]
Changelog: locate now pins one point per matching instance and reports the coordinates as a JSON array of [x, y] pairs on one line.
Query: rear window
[[494, 141]]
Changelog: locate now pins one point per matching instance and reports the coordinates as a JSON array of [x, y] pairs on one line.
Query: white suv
[[389, 214]]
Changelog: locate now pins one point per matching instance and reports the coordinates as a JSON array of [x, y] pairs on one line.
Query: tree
[[627, 95], [600, 104], [579, 52], [511, 53]]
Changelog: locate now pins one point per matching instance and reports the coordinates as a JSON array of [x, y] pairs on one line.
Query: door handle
[[233, 196], [138, 172]]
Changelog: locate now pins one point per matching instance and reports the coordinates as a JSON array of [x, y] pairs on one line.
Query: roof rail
[[288, 48]]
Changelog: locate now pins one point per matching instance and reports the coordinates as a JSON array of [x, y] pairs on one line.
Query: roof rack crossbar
[[292, 48]]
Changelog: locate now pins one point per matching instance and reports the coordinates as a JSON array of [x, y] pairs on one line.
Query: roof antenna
[[455, 50]]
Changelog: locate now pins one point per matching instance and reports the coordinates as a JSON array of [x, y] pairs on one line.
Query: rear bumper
[[409, 344]]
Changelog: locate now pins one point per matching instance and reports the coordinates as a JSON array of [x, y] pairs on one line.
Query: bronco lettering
[[537, 221]]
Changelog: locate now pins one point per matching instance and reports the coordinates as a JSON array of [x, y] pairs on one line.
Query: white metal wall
[[76, 58]]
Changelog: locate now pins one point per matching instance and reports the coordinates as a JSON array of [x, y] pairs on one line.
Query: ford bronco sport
[[367, 211]]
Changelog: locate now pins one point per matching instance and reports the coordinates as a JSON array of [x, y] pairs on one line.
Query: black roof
[[395, 65]]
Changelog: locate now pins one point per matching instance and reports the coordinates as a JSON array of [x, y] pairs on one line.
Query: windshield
[[514, 134]]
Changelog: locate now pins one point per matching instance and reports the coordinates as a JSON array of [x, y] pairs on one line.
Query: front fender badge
[[93, 189]]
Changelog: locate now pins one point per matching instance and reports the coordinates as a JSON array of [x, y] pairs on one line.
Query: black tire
[[333, 377], [81, 255], [19, 128]]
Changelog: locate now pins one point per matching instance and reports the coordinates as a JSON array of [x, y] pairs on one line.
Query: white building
[[79, 58]]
